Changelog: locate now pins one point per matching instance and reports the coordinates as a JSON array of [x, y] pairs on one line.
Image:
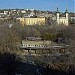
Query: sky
[[38, 4]]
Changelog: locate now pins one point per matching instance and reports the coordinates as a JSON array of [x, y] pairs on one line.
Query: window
[[28, 45], [36, 45], [22, 44]]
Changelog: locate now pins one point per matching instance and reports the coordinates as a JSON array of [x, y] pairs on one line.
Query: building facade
[[32, 21], [62, 20], [38, 48]]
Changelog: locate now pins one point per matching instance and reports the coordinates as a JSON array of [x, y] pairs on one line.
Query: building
[[42, 47], [35, 44], [63, 19], [32, 21]]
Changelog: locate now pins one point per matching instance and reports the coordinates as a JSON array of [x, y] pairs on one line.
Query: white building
[[23, 11], [62, 20]]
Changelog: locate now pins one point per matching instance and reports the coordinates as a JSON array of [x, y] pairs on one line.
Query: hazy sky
[[38, 4]]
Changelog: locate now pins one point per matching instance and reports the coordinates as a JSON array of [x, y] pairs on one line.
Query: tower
[[67, 16], [66, 12], [57, 15]]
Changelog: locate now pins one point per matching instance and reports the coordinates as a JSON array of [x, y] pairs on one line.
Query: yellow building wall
[[32, 21]]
